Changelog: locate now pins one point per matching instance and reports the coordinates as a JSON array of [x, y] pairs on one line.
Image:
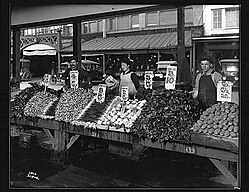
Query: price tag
[[46, 80], [190, 149], [148, 79], [101, 93], [74, 75], [170, 80], [111, 82], [224, 91], [125, 93]]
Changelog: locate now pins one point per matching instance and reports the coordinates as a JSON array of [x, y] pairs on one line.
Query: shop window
[[188, 15], [217, 24], [168, 17], [84, 28], [152, 19], [93, 27], [112, 24], [232, 17], [100, 26], [134, 21], [123, 23]]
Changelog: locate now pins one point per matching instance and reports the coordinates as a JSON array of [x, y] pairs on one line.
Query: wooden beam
[[72, 141], [225, 172], [77, 39], [16, 54], [50, 136], [180, 40]]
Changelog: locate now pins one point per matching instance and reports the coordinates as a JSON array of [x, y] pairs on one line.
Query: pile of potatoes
[[221, 119]]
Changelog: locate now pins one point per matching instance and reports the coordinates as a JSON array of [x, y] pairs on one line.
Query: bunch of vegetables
[[96, 109], [18, 104], [143, 93], [122, 113], [71, 104], [167, 115], [39, 104], [221, 119]]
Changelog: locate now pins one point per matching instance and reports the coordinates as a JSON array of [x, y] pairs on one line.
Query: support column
[[194, 61], [180, 40], [77, 39], [59, 51], [16, 54], [104, 63]]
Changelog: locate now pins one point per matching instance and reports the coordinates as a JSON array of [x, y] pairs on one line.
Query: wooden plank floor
[[77, 177]]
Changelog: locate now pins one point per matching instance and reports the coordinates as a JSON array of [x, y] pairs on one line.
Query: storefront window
[[217, 19], [112, 24], [93, 27], [152, 19], [168, 17], [100, 26], [84, 28], [123, 22], [135, 21], [232, 17]]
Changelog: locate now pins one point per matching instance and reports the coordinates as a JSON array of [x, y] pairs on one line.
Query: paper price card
[[101, 93], [170, 80], [125, 93], [148, 79], [46, 79], [74, 75], [224, 91]]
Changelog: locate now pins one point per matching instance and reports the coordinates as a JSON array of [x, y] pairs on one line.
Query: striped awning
[[134, 42]]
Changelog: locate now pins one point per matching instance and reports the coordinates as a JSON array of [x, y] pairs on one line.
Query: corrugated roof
[[135, 42]]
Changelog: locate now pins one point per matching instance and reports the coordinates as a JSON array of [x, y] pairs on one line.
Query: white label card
[[224, 91], [125, 93], [148, 79], [170, 79], [46, 79], [74, 75], [101, 93]]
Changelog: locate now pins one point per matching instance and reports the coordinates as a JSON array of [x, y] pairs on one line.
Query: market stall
[[159, 118]]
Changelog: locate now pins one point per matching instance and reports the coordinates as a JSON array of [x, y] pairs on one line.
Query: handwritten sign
[[170, 79], [111, 82], [101, 93], [148, 79], [45, 81], [74, 75], [224, 91], [125, 93]]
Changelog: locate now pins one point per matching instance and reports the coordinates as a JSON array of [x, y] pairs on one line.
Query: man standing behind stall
[[206, 82], [128, 78], [83, 78]]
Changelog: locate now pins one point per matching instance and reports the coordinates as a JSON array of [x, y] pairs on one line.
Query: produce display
[[39, 104], [222, 119], [167, 115], [72, 103], [18, 104], [121, 113], [96, 109]]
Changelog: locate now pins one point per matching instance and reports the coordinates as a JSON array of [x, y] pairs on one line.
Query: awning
[[135, 42], [39, 49]]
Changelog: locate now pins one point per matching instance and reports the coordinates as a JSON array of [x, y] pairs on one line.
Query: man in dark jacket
[[84, 76]]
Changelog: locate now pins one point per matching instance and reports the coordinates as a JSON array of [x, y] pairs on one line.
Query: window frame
[[234, 9], [219, 9]]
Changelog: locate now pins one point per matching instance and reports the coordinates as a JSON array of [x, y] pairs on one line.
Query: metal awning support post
[[180, 40], [59, 51], [104, 63], [16, 54], [77, 39]]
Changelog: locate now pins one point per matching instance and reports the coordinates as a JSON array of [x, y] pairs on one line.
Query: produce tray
[[220, 142]]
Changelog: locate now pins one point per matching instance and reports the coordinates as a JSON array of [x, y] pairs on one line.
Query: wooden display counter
[[215, 148]]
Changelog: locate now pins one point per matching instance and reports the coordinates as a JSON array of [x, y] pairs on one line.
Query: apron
[[125, 80], [207, 92]]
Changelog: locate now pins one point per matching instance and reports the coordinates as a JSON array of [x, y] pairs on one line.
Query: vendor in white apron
[[128, 78], [206, 82]]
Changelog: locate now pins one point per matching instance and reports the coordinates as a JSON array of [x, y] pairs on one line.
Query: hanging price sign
[[148, 79], [125, 93], [101, 93], [224, 91], [74, 75], [170, 79], [45, 81]]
